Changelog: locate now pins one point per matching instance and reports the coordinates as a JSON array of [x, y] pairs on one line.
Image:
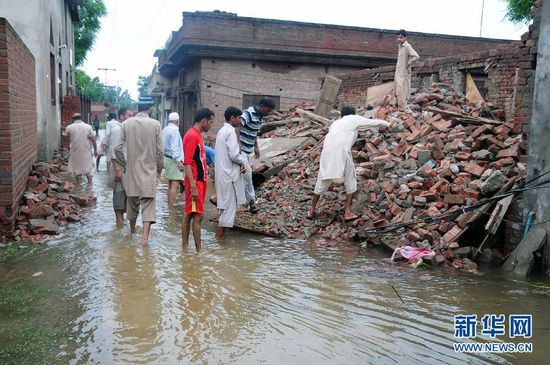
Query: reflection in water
[[258, 300], [136, 304]]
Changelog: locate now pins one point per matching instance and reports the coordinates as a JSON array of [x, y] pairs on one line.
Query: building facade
[[46, 27], [219, 59]]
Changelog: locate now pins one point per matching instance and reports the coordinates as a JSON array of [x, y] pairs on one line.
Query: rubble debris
[[50, 201], [440, 155]]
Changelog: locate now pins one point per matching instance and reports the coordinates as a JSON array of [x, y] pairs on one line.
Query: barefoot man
[[141, 137], [336, 165]]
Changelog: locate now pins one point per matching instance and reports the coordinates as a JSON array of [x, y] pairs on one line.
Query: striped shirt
[[251, 122]]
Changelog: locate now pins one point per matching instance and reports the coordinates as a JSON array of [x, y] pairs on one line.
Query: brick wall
[[71, 105], [224, 82], [17, 121], [510, 71]]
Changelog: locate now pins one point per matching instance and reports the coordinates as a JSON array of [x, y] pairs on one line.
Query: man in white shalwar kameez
[[405, 58], [107, 145], [336, 165], [82, 141], [229, 165]]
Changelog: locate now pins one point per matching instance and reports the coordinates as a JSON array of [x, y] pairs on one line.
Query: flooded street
[[103, 299]]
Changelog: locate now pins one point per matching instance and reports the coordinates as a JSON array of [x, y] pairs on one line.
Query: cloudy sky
[[133, 29]]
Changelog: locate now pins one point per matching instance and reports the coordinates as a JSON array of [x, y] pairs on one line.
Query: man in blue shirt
[[173, 156], [251, 121]]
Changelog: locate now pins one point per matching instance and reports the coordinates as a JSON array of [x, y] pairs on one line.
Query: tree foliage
[[519, 11], [97, 92], [143, 84], [86, 29]]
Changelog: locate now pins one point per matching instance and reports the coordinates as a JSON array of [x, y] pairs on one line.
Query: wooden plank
[[498, 214], [463, 116], [313, 117], [329, 92], [484, 208]]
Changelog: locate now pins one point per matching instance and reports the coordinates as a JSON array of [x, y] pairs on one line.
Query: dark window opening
[[481, 79], [52, 78]]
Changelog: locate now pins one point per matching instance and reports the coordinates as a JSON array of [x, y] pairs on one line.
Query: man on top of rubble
[[405, 57], [251, 121], [82, 140], [336, 165]]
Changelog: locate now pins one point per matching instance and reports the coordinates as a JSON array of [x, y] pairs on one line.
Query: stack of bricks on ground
[[49, 202], [437, 157]]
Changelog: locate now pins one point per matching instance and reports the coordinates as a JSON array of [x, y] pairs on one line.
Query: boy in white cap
[[173, 156]]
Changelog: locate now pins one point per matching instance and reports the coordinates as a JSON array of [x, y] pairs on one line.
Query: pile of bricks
[[49, 202], [426, 164]]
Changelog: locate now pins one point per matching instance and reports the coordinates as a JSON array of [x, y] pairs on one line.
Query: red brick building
[[220, 59], [17, 121]]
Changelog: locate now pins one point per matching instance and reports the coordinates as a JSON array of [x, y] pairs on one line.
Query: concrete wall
[[538, 201], [31, 20], [17, 121]]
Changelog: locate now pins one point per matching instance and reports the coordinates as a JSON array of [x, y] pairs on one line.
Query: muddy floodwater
[[93, 295]]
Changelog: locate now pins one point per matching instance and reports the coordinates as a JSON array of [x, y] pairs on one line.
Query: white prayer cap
[[173, 116]]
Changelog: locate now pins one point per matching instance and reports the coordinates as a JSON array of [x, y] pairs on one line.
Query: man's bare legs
[[90, 178], [314, 202], [119, 214], [220, 234], [348, 214], [173, 186], [186, 227], [133, 226], [145, 235]]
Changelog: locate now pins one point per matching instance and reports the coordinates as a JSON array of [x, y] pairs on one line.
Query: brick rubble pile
[[49, 201], [427, 164]]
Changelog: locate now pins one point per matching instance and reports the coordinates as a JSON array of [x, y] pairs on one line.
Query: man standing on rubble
[[405, 57], [82, 140], [141, 138], [251, 121], [336, 165], [229, 165]]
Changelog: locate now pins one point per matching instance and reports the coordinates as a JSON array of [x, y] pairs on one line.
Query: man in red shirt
[[196, 173]]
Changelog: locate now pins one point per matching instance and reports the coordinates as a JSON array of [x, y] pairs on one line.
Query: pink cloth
[[412, 254]]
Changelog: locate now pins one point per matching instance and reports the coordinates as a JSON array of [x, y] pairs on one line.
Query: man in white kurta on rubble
[[82, 141], [405, 58], [336, 165], [230, 165]]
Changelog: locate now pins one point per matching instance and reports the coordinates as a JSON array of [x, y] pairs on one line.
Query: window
[[481, 79], [252, 99], [52, 78]]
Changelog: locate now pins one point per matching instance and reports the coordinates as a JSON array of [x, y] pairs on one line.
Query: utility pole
[[105, 79], [481, 21]]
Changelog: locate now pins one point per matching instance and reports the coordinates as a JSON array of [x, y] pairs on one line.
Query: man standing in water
[[230, 164], [141, 138], [116, 176], [82, 140], [336, 165], [196, 173], [173, 156], [405, 58]]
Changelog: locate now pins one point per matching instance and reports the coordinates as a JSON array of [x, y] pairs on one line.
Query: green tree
[[143, 83], [86, 29], [86, 85], [519, 11]]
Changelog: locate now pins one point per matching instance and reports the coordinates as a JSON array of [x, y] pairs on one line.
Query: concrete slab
[[521, 260]]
